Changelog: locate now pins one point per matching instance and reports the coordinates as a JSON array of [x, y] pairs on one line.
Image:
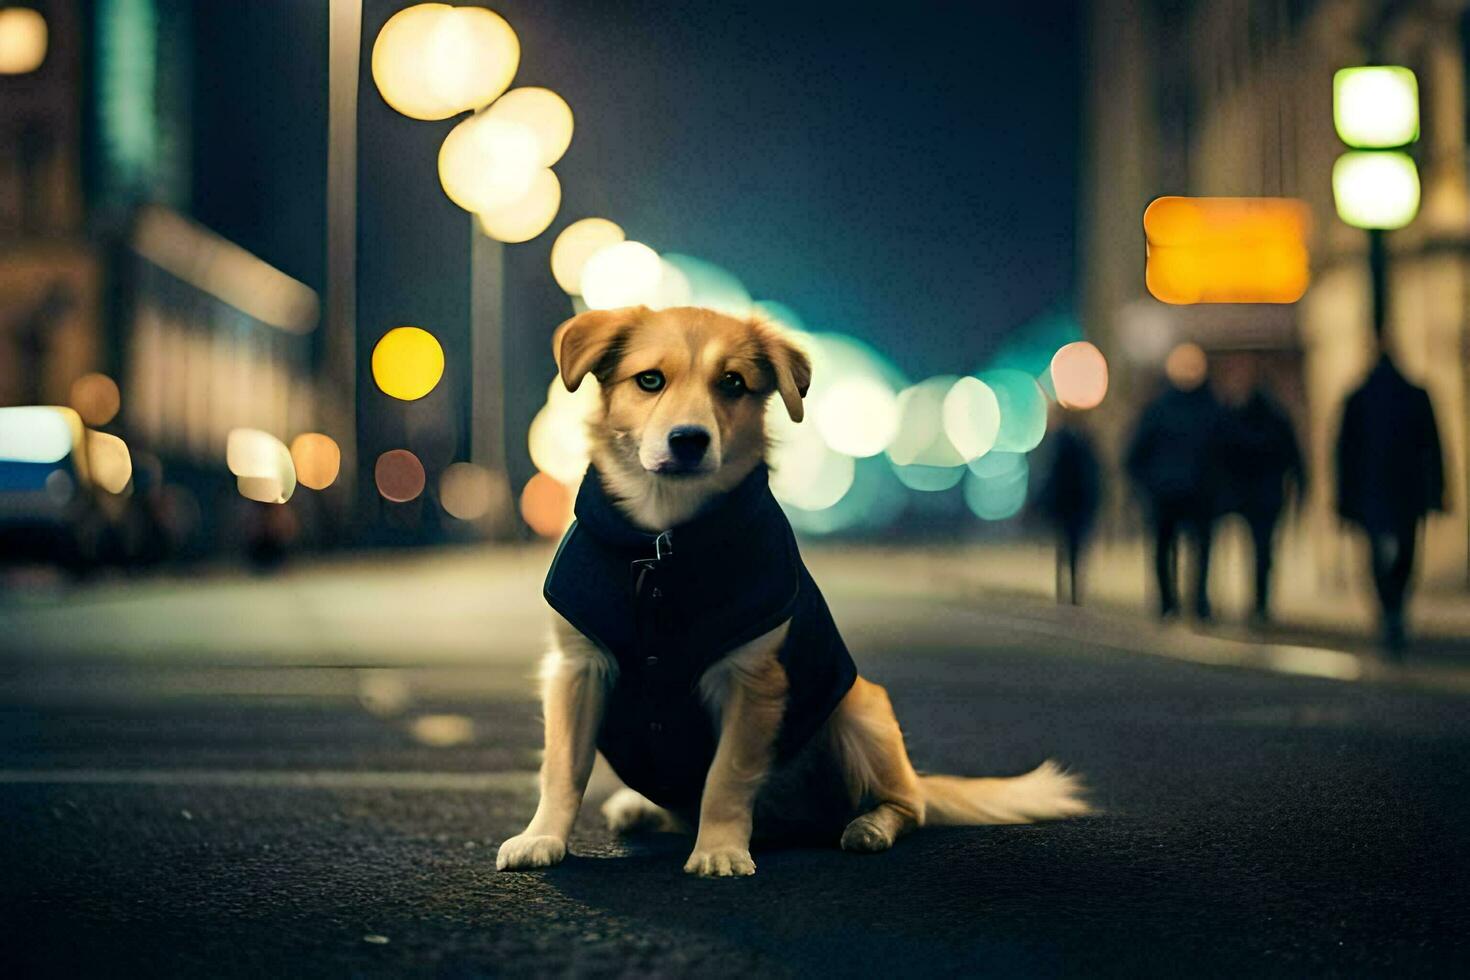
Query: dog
[[691, 647]]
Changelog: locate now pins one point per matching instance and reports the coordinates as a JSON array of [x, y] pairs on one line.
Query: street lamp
[[1376, 190], [1375, 185]]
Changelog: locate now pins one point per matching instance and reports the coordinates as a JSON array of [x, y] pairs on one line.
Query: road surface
[[218, 815]]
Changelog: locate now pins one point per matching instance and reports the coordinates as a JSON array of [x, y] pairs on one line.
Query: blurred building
[[147, 203], [50, 286], [1234, 98]]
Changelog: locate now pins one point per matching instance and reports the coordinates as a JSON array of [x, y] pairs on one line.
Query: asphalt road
[[172, 819]]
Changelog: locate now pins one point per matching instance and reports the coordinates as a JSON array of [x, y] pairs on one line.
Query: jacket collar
[[598, 514]]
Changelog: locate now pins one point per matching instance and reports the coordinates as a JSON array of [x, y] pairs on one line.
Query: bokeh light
[[856, 415], [813, 478], [541, 111], [1376, 106], [995, 487], [1145, 332], [431, 60], [442, 731], [546, 506], [23, 40], [872, 502], [711, 286], [1022, 410], [927, 478], [261, 464], [971, 415], [95, 398], [529, 215], [673, 288], [1227, 249], [577, 243], [836, 356], [318, 460], [399, 476], [108, 460], [625, 274], [1186, 367], [486, 164], [921, 438], [37, 433], [1048, 386], [1079, 376], [558, 444], [407, 363], [557, 438], [469, 492], [1376, 189], [383, 691]]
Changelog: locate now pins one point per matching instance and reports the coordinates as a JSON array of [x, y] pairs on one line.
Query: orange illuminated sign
[[1227, 249]]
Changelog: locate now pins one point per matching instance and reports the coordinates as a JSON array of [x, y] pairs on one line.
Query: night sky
[[902, 172]]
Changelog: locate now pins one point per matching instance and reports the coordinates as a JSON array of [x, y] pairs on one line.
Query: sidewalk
[[482, 606], [1317, 631]]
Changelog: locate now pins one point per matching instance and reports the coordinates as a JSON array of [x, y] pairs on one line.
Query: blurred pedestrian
[[1390, 474], [1260, 460], [1172, 461], [1069, 496]]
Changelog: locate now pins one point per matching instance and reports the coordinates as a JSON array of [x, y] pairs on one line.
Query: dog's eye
[[731, 383], [650, 380]]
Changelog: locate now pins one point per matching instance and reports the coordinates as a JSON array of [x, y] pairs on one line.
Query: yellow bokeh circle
[[23, 40], [407, 363], [577, 243], [431, 60], [524, 219]]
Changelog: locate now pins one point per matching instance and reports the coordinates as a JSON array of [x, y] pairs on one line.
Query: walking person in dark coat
[[1069, 497], [1171, 459], [1261, 459], [1390, 473]]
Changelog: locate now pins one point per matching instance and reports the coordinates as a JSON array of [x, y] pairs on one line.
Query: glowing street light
[[1374, 186], [1376, 107], [487, 163], [432, 61], [23, 40], [624, 274], [1377, 190], [577, 243], [530, 215], [544, 113]]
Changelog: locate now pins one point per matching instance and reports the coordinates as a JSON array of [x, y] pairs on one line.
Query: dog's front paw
[[530, 851], [720, 862]]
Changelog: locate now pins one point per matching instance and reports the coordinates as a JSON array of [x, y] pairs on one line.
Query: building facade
[[1234, 98]]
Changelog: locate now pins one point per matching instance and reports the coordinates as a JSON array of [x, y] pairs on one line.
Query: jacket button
[[655, 727], [650, 661], [658, 593]]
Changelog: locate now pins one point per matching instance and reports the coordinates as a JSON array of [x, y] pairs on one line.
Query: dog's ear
[[584, 340], [793, 372]]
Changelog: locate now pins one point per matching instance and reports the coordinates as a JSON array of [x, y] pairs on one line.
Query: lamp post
[[1375, 184]]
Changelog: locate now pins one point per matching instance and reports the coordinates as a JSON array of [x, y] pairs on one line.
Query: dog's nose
[[687, 443]]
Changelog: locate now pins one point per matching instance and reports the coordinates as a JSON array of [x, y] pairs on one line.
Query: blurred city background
[[280, 424], [215, 223]]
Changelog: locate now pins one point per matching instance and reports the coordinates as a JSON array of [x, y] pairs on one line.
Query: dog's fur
[[860, 750]]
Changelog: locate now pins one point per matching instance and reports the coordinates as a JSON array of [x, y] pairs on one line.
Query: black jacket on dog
[[669, 606]]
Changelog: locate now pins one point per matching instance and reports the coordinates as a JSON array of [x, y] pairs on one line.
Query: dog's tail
[[1047, 792]]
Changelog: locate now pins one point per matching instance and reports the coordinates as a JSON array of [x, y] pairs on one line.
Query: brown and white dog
[[682, 421]]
